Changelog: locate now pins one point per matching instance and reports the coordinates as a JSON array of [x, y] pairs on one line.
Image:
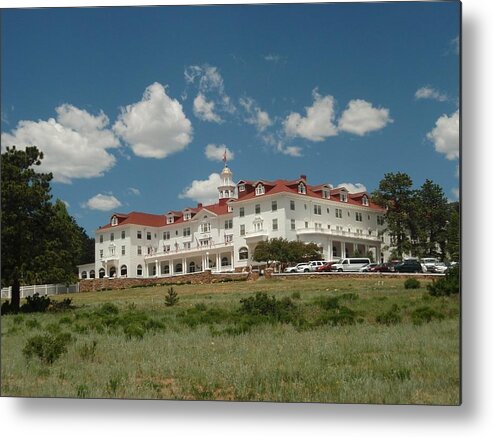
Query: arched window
[[92, 274], [123, 270], [84, 275], [191, 267], [364, 200], [259, 190], [224, 262], [139, 270], [178, 268], [301, 188], [243, 253], [113, 272], [101, 273]]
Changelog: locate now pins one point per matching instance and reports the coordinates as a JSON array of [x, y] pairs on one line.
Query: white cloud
[[102, 202], [445, 135], [318, 123], [74, 144], [204, 110], [206, 77], [293, 151], [427, 92], [216, 153], [456, 192], [360, 117], [352, 188], [254, 115], [156, 126], [134, 191], [272, 57], [204, 191]]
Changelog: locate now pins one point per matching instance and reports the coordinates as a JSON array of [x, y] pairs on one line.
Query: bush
[[283, 310], [339, 316], [134, 331], [108, 308], [36, 304], [171, 298], [6, 308], [63, 305], [450, 284], [425, 314], [88, 351], [328, 303], [48, 348], [296, 295], [391, 317], [411, 283]]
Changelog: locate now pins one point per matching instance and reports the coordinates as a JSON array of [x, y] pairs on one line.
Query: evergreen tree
[[453, 232]]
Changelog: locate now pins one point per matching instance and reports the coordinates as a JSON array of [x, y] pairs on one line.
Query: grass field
[[321, 340]]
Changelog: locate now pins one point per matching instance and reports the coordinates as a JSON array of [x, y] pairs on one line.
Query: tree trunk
[[15, 298]]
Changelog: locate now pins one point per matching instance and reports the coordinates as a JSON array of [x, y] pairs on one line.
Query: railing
[[198, 248], [42, 290], [337, 232]]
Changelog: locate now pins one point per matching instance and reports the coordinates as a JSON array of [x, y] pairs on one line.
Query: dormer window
[[325, 194], [343, 196], [241, 187], [364, 201], [259, 190], [301, 188], [230, 208], [170, 219], [114, 220], [187, 216]]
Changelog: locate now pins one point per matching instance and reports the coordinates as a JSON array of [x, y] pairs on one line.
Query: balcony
[[337, 233], [175, 253], [256, 236]]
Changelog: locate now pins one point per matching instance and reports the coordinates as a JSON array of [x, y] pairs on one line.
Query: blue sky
[[125, 102]]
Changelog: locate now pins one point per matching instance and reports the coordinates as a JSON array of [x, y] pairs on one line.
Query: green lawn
[[316, 349]]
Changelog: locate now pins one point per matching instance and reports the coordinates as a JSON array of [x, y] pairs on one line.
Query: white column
[[343, 249], [206, 260], [156, 262], [329, 258], [171, 270], [233, 259], [158, 270], [184, 265], [218, 262], [367, 249]]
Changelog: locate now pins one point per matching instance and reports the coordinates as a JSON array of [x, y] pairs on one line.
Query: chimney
[[199, 205], [303, 176]]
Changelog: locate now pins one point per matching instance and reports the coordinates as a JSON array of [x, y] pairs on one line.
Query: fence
[[42, 290]]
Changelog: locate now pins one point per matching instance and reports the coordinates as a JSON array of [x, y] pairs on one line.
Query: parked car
[[313, 266], [410, 266], [326, 267], [350, 264], [383, 268], [294, 269], [368, 268], [429, 262], [438, 268]]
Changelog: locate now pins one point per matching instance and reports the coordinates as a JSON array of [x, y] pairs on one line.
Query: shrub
[[171, 298], [391, 317], [339, 316], [63, 305], [283, 310], [36, 304], [449, 284], [88, 351], [108, 308], [425, 314], [329, 303], [82, 391], [48, 348], [6, 308], [134, 331], [32, 324], [411, 283], [296, 295]]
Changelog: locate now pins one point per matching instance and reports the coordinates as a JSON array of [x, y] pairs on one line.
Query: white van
[[350, 264]]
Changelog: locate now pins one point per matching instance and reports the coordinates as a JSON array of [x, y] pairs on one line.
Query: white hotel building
[[223, 236]]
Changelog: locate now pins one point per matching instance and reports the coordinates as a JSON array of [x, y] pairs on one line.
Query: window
[[359, 217], [123, 235], [242, 230], [205, 227], [101, 253], [325, 194], [84, 275], [114, 221], [317, 209], [166, 235], [364, 201], [170, 219], [259, 190], [228, 224], [139, 270], [318, 226], [301, 188], [257, 208], [123, 270], [258, 225], [149, 250], [112, 237], [101, 273], [242, 211], [139, 250], [166, 248], [166, 269], [204, 243], [101, 238], [113, 272], [241, 187], [338, 213], [293, 224], [186, 232], [92, 274], [148, 235], [306, 224], [328, 211], [292, 205], [243, 253], [228, 238], [191, 267], [343, 196], [187, 216], [178, 268], [123, 250], [224, 262], [186, 245], [274, 225], [359, 231], [274, 205], [380, 220], [139, 235], [230, 208]]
